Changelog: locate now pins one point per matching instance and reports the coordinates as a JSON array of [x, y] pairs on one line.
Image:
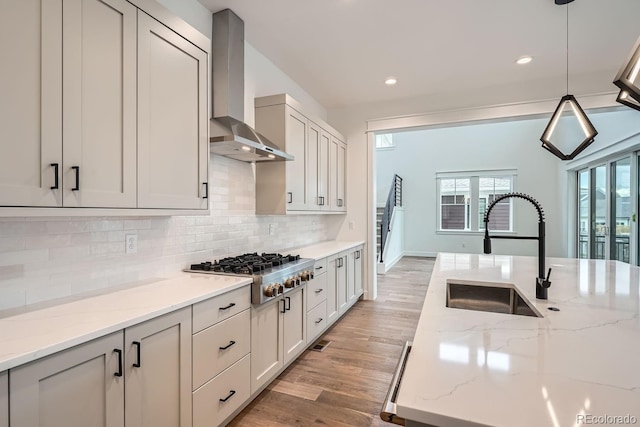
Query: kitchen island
[[576, 366]]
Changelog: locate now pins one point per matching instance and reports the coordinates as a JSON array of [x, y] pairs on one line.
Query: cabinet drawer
[[216, 309], [233, 384], [320, 266], [209, 356], [316, 291], [316, 321]]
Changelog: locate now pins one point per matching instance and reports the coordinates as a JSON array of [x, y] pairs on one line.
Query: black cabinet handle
[[319, 320], [288, 303], [339, 203], [290, 197], [231, 393], [233, 304], [206, 190], [319, 290], [77, 169], [319, 268], [119, 373], [57, 180], [139, 362], [321, 200], [228, 345], [283, 306]]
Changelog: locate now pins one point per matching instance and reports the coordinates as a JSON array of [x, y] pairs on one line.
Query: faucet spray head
[[487, 240]]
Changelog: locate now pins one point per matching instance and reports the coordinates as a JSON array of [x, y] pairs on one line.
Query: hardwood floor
[[345, 384]]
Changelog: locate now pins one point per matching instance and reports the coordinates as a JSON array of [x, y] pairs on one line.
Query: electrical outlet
[[464, 244], [131, 244], [272, 229], [351, 225]]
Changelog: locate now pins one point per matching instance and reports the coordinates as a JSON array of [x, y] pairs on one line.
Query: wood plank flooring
[[345, 384]]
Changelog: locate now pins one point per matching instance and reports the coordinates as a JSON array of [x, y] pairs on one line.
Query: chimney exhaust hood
[[230, 136]]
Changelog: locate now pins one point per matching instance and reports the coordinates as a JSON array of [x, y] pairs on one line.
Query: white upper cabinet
[[31, 103], [102, 107], [314, 180], [173, 146], [99, 104]]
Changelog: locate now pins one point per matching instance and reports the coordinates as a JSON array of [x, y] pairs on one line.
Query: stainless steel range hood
[[230, 136]]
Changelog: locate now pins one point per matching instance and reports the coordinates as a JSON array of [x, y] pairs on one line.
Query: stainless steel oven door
[[388, 412]]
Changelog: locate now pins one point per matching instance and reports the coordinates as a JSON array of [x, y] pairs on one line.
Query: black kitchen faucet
[[542, 282]]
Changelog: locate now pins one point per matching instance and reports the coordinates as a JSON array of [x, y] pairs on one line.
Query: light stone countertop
[[325, 249], [34, 334], [473, 368]]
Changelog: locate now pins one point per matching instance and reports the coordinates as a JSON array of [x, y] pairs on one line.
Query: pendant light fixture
[[568, 106], [627, 79]]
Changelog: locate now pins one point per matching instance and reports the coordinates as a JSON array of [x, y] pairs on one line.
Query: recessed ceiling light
[[524, 60], [245, 148], [390, 81]]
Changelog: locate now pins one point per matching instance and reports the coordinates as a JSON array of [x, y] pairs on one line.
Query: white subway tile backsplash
[[42, 259]]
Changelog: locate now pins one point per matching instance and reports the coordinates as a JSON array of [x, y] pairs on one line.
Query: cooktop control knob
[[290, 282], [304, 276], [279, 287], [270, 291]]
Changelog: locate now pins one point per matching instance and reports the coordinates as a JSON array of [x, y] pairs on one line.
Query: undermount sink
[[487, 296]]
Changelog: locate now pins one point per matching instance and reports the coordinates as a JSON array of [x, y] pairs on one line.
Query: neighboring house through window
[[463, 198]]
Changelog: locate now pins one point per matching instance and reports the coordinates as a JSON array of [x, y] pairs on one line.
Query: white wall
[[419, 155], [42, 259]]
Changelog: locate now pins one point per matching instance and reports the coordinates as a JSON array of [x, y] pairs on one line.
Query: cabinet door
[[173, 149], [31, 102], [4, 400], [357, 270], [158, 372], [351, 278], [295, 324], [313, 166], [332, 288], [323, 168], [332, 195], [266, 342], [73, 388], [99, 108], [341, 283], [340, 203], [296, 170]]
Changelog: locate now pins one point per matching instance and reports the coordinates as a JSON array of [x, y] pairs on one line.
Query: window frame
[[474, 191]]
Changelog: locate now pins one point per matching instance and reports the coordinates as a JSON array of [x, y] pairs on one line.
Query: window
[[385, 141], [463, 198]]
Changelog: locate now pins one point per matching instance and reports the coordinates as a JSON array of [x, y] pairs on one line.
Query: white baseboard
[[421, 254], [383, 267]]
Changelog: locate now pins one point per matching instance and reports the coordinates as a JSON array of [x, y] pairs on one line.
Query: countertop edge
[[72, 340], [328, 248]]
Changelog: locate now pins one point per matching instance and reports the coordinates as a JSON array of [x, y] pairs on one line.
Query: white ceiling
[[340, 51]]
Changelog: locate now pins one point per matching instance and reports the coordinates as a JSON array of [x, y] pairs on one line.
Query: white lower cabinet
[[85, 386], [79, 387], [158, 371], [219, 398], [4, 400], [336, 286], [354, 275], [278, 335], [219, 346], [316, 321]]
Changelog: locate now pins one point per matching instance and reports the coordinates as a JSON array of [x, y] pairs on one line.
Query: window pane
[[490, 188], [583, 214], [454, 207]]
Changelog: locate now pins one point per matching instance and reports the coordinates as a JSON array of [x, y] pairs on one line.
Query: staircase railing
[[393, 199]]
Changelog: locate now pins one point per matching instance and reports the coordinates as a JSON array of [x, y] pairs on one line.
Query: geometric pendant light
[[628, 79], [569, 145]]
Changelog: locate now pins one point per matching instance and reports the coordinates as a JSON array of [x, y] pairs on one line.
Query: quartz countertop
[[34, 334], [475, 368], [325, 249]]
